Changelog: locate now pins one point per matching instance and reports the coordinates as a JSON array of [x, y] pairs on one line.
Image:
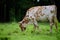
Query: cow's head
[[22, 26]]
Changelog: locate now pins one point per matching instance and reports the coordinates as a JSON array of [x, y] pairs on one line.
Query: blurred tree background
[[15, 10]]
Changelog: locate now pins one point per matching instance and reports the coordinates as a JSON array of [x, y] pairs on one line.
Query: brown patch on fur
[[37, 16], [30, 16], [42, 14], [52, 11], [39, 11], [25, 20], [33, 19], [45, 7]]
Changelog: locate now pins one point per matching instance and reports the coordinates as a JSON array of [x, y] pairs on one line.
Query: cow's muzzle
[[22, 27]]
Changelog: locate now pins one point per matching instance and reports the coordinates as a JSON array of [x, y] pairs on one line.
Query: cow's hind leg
[[51, 20], [51, 25], [56, 23]]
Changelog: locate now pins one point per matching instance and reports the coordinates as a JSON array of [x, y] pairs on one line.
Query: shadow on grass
[[46, 34], [4, 38]]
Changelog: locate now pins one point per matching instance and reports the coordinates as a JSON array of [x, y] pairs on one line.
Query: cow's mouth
[[22, 27]]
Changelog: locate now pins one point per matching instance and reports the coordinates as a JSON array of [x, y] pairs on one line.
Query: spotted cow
[[40, 13]]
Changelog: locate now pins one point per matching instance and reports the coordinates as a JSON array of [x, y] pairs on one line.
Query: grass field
[[11, 31]]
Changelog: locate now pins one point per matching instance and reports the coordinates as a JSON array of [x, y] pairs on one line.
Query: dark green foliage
[[22, 6], [15, 10]]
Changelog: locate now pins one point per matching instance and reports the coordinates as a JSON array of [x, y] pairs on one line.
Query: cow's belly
[[42, 18], [45, 17]]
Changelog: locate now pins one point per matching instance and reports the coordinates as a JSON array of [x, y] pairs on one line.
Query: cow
[[40, 13]]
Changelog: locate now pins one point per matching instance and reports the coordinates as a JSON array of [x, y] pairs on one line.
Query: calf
[[40, 13]]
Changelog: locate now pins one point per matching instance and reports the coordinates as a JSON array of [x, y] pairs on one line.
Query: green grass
[[11, 31]]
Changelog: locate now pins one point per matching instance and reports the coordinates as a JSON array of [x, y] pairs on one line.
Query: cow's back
[[41, 12]]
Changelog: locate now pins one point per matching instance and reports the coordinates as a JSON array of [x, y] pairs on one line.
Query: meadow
[[11, 31]]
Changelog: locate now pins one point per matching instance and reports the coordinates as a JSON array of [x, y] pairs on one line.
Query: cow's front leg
[[35, 25]]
